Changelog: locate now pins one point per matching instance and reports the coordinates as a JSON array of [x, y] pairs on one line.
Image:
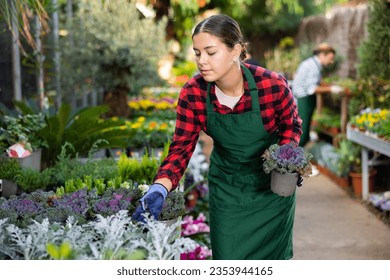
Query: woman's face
[[214, 59]]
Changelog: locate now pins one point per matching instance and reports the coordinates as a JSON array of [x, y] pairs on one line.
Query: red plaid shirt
[[277, 108]]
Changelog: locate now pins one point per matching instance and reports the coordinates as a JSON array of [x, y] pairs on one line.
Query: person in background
[[306, 84], [245, 109]]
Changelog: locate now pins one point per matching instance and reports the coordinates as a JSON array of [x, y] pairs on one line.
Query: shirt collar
[[317, 60], [244, 97]]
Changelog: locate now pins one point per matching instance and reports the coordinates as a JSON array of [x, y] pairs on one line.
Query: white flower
[[125, 185], [144, 188]]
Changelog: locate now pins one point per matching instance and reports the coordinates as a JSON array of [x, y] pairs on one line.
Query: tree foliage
[[114, 47], [374, 53], [257, 18]]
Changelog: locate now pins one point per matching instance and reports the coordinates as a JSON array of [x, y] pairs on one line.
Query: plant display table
[[368, 142]]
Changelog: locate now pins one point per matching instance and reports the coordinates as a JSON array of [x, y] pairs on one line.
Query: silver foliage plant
[[113, 237]]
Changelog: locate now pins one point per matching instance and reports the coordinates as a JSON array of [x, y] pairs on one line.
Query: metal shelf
[[368, 142]]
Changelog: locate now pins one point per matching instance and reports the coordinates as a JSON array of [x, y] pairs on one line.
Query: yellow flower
[[164, 126], [152, 125], [136, 125], [134, 105]]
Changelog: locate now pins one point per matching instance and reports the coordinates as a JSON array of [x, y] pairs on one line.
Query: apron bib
[[247, 220]]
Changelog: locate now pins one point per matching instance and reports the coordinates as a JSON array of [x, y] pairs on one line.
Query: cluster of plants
[[151, 133], [285, 57], [380, 200], [84, 129], [349, 157], [114, 237], [22, 129], [376, 121], [198, 230], [326, 120], [83, 204], [101, 57], [140, 105]]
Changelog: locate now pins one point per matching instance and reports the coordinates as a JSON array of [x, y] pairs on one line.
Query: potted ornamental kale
[[286, 163]]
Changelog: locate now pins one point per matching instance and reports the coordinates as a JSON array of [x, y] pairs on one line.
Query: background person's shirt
[[307, 77], [277, 108]]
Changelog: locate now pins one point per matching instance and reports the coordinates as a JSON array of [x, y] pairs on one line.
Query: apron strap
[[252, 87]]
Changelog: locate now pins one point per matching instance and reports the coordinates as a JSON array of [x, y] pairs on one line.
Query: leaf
[[53, 251], [65, 250]]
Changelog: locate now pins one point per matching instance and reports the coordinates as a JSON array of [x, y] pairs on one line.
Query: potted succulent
[[286, 163]]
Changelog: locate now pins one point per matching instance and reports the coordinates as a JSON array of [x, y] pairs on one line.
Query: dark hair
[[324, 48], [225, 28]]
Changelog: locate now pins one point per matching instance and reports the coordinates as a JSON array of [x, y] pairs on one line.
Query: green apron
[[247, 220], [306, 107]]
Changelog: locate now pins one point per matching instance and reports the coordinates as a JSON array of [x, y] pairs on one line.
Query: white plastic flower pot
[[33, 161], [283, 184]]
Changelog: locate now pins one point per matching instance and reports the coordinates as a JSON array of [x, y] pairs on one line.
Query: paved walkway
[[330, 225]]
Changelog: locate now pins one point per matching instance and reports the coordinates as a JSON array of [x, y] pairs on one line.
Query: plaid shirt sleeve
[[277, 106], [278, 111], [190, 120]]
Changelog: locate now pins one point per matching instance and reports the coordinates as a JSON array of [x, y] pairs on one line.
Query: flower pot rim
[[372, 172]]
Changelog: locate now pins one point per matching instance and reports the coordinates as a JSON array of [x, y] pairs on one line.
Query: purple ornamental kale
[[111, 205], [25, 207], [290, 157], [76, 202]]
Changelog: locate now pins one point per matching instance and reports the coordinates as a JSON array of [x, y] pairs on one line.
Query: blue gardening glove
[[153, 201], [300, 181]]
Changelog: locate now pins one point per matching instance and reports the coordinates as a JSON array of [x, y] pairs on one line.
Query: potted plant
[[286, 163], [349, 162], [22, 132], [9, 170], [327, 121]]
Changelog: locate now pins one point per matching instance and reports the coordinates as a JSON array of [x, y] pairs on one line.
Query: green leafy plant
[[82, 130], [348, 157], [67, 167], [30, 179], [23, 129], [326, 119], [372, 92], [9, 168], [140, 171], [174, 206], [124, 61]]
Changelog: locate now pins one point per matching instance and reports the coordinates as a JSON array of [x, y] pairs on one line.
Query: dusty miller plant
[[162, 241], [113, 237]]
